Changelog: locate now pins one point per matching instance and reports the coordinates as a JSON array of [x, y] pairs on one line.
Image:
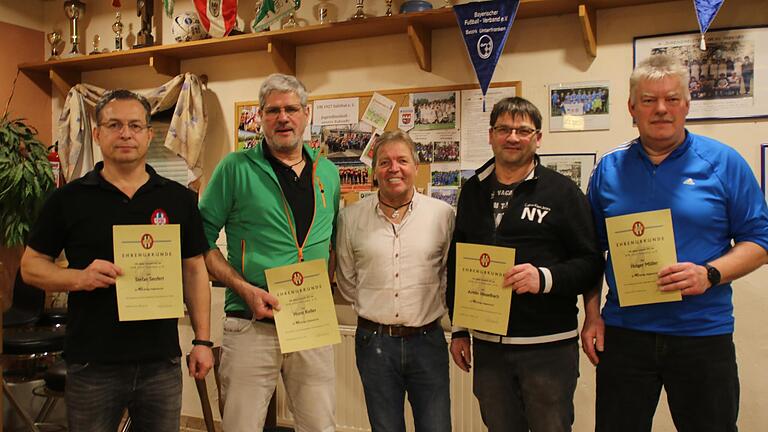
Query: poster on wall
[[728, 79], [579, 106], [576, 166], [248, 125]]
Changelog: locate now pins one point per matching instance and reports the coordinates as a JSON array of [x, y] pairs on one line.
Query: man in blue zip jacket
[[720, 224]]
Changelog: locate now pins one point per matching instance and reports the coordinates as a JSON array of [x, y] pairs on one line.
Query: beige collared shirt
[[394, 273]]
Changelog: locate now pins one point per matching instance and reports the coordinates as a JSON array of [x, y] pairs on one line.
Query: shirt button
[[397, 274], [397, 315], [397, 255], [397, 294]]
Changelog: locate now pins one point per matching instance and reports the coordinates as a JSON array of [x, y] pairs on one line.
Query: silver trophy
[[359, 14], [325, 11], [291, 22], [96, 41], [117, 27], [54, 39], [74, 9]]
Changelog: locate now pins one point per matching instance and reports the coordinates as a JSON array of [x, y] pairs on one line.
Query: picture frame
[[247, 125], [576, 166], [764, 169], [579, 106], [726, 82]]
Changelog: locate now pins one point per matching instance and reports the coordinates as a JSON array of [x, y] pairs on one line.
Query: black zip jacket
[[549, 223]]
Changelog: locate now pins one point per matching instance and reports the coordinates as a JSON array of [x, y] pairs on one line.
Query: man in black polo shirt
[[111, 364]]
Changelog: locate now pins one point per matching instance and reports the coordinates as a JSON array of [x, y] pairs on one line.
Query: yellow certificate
[[641, 244], [151, 284], [481, 302], [307, 316]]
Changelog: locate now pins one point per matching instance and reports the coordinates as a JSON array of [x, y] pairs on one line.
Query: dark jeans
[[698, 373], [522, 388], [390, 367], [97, 394]]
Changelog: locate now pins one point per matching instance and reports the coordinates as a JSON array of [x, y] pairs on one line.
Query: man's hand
[[461, 352], [200, 361], [688, 278], [523, 278], [262, 303], [593, 337], [98, 274]]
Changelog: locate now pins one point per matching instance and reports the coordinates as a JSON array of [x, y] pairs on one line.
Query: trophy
[[144, 10], [325, 10], [74, 9], [291, 22], [54, 38], [117, 27], [359, 14], [96, 40], [389, 8]]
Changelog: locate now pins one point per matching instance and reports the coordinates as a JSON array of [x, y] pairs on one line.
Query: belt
[[510, 340], [247, 315], [394, 330]]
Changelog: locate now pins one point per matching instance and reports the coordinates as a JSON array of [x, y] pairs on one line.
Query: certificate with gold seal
[[307, 315], [481, 301], [151, 284], [641, 244]]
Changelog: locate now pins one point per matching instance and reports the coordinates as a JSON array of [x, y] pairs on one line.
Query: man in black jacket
[[526, 379]]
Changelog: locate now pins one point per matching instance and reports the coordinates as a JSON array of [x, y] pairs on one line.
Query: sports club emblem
[[638, 229], [485, 260], [159, 217], [297, 278], [214, 7], [147, 241]]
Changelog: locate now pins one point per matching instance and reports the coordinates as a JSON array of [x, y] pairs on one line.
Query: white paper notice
[[475, 150], [331, 112], [573, 122], [379, 111]]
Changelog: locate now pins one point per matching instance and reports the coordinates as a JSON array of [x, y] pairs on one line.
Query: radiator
[[351, 415]]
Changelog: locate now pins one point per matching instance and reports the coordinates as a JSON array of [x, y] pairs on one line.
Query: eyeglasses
[[521, 132], [289, 110], [115, 127]]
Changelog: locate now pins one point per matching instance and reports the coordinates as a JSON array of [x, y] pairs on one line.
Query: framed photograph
[[579, 106], [247, 125], [728, 80], [576, 166], [763, 169], [434, 110]]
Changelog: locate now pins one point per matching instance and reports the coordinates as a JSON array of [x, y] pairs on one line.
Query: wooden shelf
[[281, 44]]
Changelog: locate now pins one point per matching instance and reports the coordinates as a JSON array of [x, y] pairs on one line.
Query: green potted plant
[[26, 179]]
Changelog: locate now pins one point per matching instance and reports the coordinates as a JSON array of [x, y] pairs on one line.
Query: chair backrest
[[202, 392], [28, 304]]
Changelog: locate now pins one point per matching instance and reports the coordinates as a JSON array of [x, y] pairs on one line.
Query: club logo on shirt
[[485, 260], [297, 278], [159, 217], [638, 229], [147, 241], [534, 212]]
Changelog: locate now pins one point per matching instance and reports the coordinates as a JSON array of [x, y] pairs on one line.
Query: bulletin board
[[439, 133]]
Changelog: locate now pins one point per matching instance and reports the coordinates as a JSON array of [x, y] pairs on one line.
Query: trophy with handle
[[54, 39]]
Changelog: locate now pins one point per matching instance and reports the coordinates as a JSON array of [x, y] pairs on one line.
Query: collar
[[271, 157], [417, 197], [94, 177], [489, 167], [676, 153]]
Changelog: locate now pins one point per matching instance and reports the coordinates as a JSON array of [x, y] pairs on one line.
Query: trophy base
[[143, 42]]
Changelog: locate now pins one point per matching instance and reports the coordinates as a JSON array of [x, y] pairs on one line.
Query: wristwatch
[[713, 275]]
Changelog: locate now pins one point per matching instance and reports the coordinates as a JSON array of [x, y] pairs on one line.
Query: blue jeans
[[97, 394], [391, 366], [521, 388], [699, 374]]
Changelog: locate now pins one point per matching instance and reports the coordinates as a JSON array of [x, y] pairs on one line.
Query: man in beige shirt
[[391, 253]]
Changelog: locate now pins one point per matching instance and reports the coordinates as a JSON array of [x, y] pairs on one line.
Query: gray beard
[[276, 148]]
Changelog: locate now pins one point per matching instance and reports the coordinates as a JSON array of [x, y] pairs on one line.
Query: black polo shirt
[[297, 190], [78, 219]]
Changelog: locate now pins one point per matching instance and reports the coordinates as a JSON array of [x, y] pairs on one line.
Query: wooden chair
[[202, 391]]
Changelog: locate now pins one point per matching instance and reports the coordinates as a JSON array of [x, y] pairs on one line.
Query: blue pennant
[[705, 13], [485, 27]]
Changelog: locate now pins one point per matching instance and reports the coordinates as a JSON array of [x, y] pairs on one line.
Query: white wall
[[28, 13], [539, 51]]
